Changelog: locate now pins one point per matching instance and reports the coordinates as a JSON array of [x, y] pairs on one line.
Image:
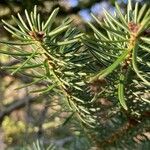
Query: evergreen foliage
[[104, 78]]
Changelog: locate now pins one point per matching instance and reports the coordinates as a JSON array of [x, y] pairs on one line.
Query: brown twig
[[17, 104]]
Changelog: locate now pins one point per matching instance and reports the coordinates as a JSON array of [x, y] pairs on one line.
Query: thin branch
[[17, 104]]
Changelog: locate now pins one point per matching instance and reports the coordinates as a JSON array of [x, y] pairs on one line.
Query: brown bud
[[32, 34], [37, 35], [40, 35], [105, 102], [133, 27], [96, 85]]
